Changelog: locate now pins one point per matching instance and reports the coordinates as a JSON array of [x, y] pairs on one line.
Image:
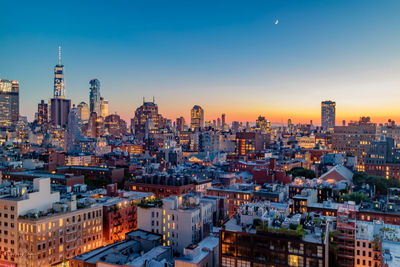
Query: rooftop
[[195, 254]]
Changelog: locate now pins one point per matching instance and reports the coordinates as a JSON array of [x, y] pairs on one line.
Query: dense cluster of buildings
[[80, 187]]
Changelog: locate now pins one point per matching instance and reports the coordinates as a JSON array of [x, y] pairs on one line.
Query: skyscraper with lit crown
[[9, 103], [59, 84], [59, 106], [196, 118]]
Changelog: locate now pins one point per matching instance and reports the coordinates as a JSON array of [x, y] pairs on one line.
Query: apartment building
[[355, 138], [182, 220], [38, 228], [368, 247]]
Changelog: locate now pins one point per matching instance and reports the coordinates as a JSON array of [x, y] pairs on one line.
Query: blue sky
[[227, 56]]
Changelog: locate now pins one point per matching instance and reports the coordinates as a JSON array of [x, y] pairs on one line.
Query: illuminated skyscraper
[[43, 114], [328, 114], [59, 106], [59, 84], [9, 102], [104, 107], [84, 113], [196, 118], [95, 102]]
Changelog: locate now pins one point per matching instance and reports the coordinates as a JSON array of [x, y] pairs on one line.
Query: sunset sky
[[226, 56]]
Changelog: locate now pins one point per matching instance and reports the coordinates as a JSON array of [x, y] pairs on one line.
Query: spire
[[59, 55]]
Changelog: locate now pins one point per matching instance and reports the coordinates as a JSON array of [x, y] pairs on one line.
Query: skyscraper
[[59, 106], [147, 111], [104, 107], [73, 130], [95, 101], [328, 114], [180, 124], [59, 84], [225, 127], [43, 114], [9, 103], [196, 118], [83, 109]]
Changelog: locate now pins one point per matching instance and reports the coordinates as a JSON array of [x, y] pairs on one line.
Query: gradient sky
[[226, 56]]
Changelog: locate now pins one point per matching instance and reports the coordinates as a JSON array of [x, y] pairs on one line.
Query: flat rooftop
[[204, 247]]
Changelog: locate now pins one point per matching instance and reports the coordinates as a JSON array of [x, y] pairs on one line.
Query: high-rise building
[[355, 139], [225, 126], [73, 130], [104, 107], [149, 110], [59, 111], [43, 113], [59, 84], [9, 103], [95, 126], [115, 125], [196, 118], [59, 106], [95, 101], [248, 143], [180, 124], [328, 114], [84, 112]]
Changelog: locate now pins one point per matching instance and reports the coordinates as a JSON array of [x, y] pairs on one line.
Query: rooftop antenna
[[153, 99], [59, 55]]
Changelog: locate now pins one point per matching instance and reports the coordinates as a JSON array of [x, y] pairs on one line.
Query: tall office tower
[[59, 106], [59, 84], [84, 113], [328, 114], [104, 107], [95, 101], [225, 126], [9, 103], [42, 114], [219, 124], [73, 130], [59, 111], [196, 118], [180, 124], [149, 110]]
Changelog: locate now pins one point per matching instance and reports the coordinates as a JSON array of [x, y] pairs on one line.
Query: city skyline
[[279, 71]]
